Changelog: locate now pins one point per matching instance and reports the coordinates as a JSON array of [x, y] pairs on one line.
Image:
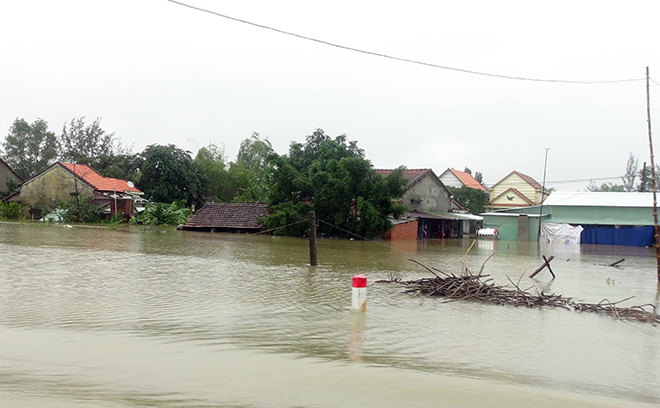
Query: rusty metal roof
[[228, 215]]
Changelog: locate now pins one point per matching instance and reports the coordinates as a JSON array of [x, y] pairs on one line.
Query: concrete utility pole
[[655, 201], [545, 167]]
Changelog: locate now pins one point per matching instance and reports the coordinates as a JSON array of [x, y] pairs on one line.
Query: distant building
[[228, 217], [61, 181], [458, 179], [6, 174], [433, 213], [605, 217], [516, 190]]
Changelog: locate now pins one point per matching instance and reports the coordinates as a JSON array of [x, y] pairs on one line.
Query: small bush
[[12, 210], [75, 210], [162, 214]]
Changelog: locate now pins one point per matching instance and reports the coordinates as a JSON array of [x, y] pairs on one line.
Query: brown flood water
[[133, 317]]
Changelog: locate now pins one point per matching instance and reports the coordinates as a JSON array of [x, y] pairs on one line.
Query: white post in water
[[359, 299]]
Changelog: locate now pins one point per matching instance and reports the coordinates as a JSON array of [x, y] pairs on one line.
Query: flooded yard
[[135, 316]]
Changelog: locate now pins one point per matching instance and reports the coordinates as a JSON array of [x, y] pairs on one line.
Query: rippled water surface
[[155, 317]]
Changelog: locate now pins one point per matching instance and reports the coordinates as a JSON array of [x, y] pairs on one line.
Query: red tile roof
[[467, 179], [100, 183], [228, 215], [412, 175]]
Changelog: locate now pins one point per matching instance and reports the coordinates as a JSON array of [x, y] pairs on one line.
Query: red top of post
[[359, 281]]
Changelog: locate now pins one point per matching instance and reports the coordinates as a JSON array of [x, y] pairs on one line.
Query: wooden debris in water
[[468, 285]]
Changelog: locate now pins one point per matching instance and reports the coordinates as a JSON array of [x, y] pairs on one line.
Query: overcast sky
[[157, 72]]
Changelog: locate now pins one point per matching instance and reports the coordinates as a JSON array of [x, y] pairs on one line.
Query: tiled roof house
[[228, 217], [61, 181], [457, 178]]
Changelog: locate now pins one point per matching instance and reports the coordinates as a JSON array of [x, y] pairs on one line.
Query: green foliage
[[332, 177], [124, 166], [472, 199], [210, 161], [251, 172], [287, 213], [29, 148], [12, 187], [169, 174], [11, 210], [75, 210], [162, 214], [606, 187], [81, 142]]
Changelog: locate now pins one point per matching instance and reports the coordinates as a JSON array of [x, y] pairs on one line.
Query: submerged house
[[62, 181], [228, 217], [6, 175], [432, 210], [609, 218]]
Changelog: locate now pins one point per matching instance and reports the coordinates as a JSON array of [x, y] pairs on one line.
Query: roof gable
[[228, 215], [467, 179], [527, 179], [511, 197]]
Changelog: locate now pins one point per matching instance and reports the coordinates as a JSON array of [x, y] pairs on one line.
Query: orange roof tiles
[[100, 183], [467, 179]]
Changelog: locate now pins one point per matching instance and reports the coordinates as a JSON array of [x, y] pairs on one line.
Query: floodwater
[[154, 317]]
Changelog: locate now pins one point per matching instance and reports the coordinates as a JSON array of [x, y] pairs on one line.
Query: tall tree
[[169, 174], [332, 177], [251, 171], [82, 142], [29, 148], [211, 162]]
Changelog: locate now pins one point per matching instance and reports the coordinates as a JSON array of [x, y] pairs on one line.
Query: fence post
[[312, 239]]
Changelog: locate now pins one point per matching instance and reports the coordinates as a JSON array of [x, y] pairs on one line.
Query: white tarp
[[560, 233]]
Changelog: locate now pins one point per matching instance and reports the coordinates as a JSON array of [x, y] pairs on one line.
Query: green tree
[[480, 178], [29, 148], [332, 177], [81, 143], [605, 187], [251, 171], [472, 199], [169, 174], [121, 166], [211, 163]]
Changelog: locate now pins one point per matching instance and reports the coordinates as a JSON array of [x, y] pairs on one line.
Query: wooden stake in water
[[312, 239]]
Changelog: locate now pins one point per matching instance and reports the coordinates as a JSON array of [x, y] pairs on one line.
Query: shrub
[[12, 210], [162, 214]]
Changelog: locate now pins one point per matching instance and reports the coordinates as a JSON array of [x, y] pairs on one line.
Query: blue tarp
[[629, 236]]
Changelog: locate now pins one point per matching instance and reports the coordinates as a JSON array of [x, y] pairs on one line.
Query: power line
[[589, 179], [653, 80], [376, 54]]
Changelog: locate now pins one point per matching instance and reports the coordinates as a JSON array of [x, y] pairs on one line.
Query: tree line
[[635, 179], [331, 176]]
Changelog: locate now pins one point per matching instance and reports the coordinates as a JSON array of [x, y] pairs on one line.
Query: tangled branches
[[482, 288]]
